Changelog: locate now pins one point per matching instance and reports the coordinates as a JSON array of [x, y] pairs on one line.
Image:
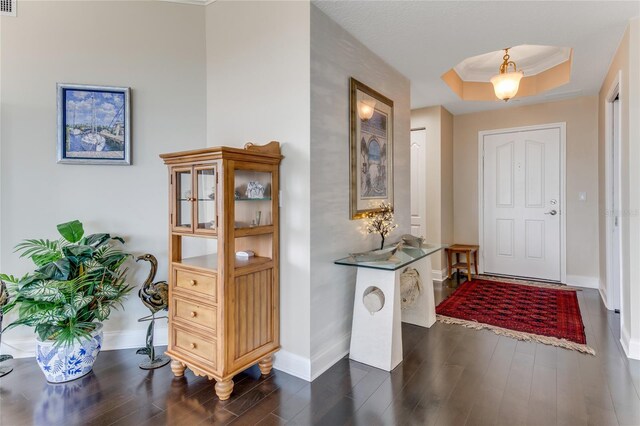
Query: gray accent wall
[[335, 56]]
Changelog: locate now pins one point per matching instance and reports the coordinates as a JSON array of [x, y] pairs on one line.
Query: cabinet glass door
[[183, 187], [206, 212], [252, 194]]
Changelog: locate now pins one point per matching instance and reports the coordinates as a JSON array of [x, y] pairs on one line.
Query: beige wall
[[335, 56], [581, 116], [446, 179], [158, 50], [625, 63], [258, 90], [438, 123]]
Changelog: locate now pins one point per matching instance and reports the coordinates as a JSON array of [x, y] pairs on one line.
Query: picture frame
[[371, 149], [94, 124]]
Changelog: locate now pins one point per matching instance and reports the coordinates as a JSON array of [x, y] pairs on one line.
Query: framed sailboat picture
[[94, 124]]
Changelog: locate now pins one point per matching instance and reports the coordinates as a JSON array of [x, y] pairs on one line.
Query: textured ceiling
[[424, 39]]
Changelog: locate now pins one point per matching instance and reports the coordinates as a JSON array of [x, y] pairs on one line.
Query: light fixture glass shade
[[505, 85], [366, 108]]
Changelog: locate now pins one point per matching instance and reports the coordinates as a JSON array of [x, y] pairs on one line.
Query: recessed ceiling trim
[[532, 59], [530, 85]]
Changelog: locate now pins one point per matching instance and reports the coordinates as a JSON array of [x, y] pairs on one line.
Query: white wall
[[335, 56], [631, 285], [157, 49], [438, 163], [258, 90], [626, 61]]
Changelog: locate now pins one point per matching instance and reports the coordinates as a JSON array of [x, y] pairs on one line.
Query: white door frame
[[422, 177], [562, 126], [614, 90]]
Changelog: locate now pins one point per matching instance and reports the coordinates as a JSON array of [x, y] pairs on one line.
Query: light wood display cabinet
[[223, 308]]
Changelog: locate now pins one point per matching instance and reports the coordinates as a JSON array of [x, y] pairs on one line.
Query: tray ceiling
[[424, 39]]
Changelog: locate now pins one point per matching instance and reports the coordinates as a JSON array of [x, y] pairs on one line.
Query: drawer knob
[[193, 282], [194, 314], [193, 346]]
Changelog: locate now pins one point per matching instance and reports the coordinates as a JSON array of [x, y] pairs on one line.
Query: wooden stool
[[462, 248]]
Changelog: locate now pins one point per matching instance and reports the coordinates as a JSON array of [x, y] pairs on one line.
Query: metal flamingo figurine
[[4, 299], [155, 297]]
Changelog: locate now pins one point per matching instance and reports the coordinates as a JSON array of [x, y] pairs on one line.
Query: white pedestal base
[[376, 339], [423, 312]]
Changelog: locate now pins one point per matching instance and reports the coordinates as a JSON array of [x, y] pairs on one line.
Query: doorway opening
[[613, 295]]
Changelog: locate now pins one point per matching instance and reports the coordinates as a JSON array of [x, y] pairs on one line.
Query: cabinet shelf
[[251, 262], [208, 262], [199, 199], [254, 230], [253, 199]]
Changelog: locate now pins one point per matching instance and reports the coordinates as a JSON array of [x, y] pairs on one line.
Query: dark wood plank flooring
[[450, 376]]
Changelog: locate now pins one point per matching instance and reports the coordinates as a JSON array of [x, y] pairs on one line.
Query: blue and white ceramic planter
[[65, 363]]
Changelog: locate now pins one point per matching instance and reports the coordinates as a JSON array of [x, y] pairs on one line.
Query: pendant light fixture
[[506, 83]]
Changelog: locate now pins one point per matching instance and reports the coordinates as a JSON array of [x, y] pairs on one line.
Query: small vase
[[65, 363]]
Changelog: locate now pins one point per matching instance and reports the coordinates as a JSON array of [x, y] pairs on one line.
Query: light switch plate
[[582, 196]]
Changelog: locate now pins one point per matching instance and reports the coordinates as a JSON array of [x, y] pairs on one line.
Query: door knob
[[552, 212]]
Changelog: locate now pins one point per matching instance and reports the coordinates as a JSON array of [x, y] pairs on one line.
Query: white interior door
[[521, 208], [615, 207], [418, 182]]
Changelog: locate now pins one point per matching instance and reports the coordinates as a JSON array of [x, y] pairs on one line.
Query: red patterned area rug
[[544, 313]]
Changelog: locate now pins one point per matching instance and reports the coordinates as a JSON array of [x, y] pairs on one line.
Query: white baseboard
[[329, 356], [127, 339], [583, 281], [630, 346], [603, 296], [439, 275], [123, 339], [293, 364]]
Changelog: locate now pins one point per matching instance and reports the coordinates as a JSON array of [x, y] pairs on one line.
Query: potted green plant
[[77, 282]]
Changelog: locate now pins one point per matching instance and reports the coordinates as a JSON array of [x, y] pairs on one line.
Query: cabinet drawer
[[193, 344], [197, 283], [195, 313]]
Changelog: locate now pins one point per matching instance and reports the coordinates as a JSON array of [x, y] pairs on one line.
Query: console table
[[376, 337]]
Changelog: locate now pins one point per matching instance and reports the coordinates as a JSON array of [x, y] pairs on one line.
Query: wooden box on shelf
[[224, 309]]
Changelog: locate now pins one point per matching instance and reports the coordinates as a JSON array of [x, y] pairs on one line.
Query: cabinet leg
[[178, 368], [224, 389], [265, 365]]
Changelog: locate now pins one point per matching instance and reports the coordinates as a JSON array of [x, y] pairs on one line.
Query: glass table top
[[401, 258]]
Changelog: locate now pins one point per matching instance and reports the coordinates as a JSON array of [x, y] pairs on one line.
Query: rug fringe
[[525, 282], [519, 335]]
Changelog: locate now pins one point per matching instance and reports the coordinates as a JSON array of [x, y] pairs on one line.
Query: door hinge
[[615, 221], [171, 179]]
